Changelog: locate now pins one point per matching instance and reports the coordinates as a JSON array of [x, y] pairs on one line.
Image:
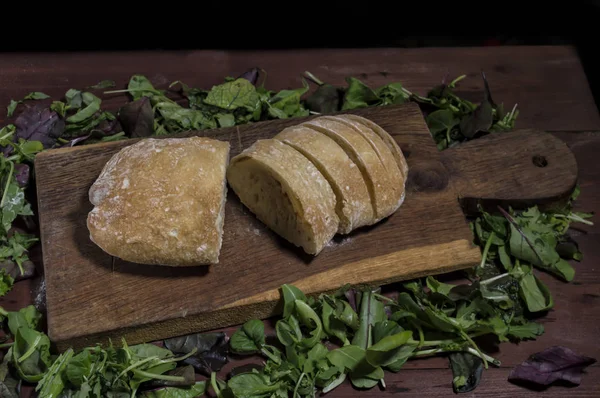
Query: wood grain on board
[[547, 82], [428, 235]]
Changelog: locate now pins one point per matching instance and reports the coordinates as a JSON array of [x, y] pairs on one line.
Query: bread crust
[[385, 198], [352, 195], [161, 202], [387, 138], [312, 198]]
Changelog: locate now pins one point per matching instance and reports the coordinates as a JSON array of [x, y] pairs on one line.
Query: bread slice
[[286, 192], [353, 204], [379, 146], [162, 201], [385, 197], [387, 138]]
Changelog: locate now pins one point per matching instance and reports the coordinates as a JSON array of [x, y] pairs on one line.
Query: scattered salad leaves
[[320, 342]]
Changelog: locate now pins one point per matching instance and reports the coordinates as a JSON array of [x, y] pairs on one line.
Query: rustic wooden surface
[[527, 75]]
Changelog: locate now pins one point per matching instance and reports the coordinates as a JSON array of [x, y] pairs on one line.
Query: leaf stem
[[486, 249], [494, 279], [31, 349], [270, 355], [481, 354], [313, 78], [574, 217], [135, 365], [8, 180], [6, 345], [214, 384], [157, 376], [432, 343], [298, 384]]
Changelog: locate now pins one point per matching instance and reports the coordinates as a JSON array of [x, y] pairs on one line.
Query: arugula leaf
[[53, 382], [6, 282]]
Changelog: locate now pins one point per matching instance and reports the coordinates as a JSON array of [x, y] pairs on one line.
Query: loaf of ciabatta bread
[[162, 201], [327, 175]]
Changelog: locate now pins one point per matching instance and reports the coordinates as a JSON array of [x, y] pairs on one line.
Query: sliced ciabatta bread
[[387, 138], [353, 206], [286, 192], [383, 153], [385, 197], [162, 201]]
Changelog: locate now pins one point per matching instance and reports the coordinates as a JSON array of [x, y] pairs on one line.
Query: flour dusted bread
[[353, 204], [386, 191], [161, 201], [286, 192]]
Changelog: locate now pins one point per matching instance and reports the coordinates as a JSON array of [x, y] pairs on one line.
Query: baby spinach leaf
[[467, 370], [347, 357], [441, 121], [139, 86], [252, 385], [249, 338], [74, 98], [27, 317], [358, 95], [239, 93], [286, 103]]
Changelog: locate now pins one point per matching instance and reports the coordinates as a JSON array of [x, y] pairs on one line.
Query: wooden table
[[548, 83]]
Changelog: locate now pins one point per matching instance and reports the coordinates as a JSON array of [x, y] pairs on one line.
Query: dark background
[[248, 26]]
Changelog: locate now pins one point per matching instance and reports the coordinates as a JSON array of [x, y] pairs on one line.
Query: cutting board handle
[[519, 169]]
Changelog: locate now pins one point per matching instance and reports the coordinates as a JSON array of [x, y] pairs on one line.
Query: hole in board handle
[[540, 161]]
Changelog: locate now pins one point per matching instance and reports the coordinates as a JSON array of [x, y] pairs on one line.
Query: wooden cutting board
[[92, 296]]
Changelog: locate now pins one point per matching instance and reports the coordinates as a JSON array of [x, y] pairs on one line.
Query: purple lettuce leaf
[[39, 123], [556, 363]]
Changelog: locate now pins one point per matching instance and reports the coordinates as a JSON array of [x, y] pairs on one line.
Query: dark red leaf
[[551, 365]]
